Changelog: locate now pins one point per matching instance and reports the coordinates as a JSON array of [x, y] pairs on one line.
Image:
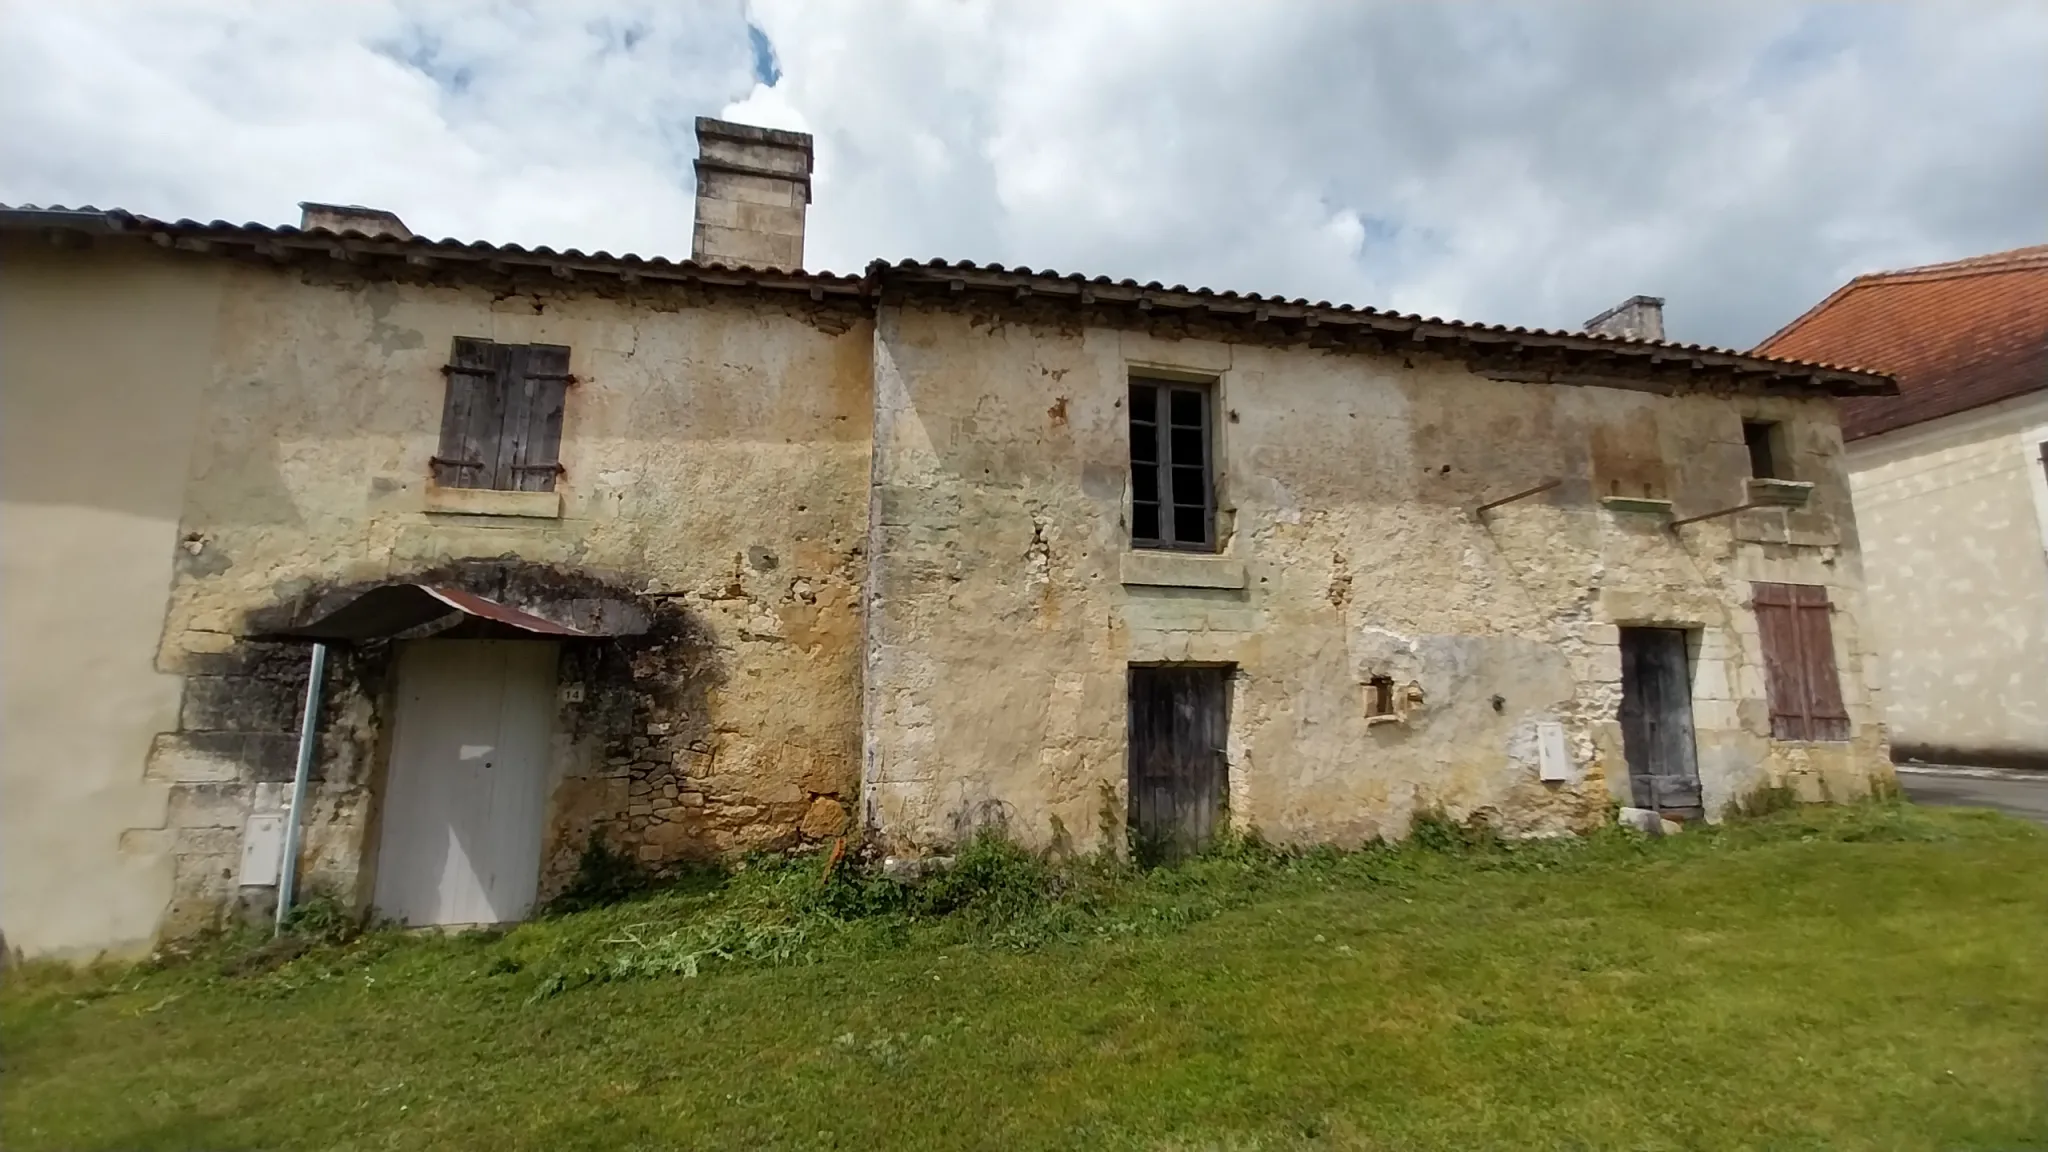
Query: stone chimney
[[352, 218], [1638, 318], [753, 185]]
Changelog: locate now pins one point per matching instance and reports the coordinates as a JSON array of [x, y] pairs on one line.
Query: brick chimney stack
[[753, 185], [1638, 318]]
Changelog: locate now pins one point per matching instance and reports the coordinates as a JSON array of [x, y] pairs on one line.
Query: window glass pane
[[1144, 403], [1188, 484], [1187, 406], [1144, 521], [1190, 525], [1145, 484], [1144, 442], [1188, 446]]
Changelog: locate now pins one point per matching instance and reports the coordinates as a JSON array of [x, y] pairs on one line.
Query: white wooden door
[[466, 792]]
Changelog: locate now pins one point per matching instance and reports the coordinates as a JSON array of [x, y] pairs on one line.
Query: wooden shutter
[[1799, 662], [529, 449], [471, 415], [501, 423]]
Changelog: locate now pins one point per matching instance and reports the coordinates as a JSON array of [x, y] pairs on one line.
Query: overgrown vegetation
[[604, 875], [1857, 976]]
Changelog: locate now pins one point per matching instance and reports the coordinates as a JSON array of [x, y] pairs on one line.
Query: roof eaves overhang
[[285, 245], [1507, 353]]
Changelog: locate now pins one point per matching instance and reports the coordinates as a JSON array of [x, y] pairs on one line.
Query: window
[[1379, 697], [501, 425], [1799, 662], [1763, 440], [1173, 503]]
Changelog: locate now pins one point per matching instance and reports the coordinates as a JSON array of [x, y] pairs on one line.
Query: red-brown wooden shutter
[[1799, 662], [1826, 718]]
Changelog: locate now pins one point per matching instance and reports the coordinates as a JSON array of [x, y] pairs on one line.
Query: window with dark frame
[[1805, 688], [1762, 439], [1173, 492], [501, 423], [1379, 696]]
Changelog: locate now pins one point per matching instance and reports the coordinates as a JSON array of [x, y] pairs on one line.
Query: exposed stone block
[[208, 806], [826, 817], [175, 759]]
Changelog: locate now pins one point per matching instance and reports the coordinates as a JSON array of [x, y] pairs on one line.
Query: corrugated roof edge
[[193, 234]]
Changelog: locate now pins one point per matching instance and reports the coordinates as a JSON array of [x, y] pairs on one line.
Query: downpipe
[[309, 742]]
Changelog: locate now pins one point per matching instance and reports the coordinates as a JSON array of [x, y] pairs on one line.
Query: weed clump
[[604, 875]]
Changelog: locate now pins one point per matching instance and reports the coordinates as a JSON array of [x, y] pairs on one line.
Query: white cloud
[[1509, 162]]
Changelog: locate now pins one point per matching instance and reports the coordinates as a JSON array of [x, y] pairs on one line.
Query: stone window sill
[[1643, 504], [492, 502], [1180, 570], [1783, 493]]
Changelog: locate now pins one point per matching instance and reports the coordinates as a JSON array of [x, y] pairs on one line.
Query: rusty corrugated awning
[[395, 610]]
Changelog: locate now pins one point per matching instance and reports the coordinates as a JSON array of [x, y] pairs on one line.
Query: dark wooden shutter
[[530, 446], [471, 415], [501, 423], [1804, 685]]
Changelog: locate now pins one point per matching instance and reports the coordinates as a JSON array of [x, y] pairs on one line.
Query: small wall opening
[[1764, 440], [1379, 697]]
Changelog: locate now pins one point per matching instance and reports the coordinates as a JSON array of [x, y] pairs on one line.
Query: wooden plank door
[[1179, 777], [1656, 721], [465, 795]]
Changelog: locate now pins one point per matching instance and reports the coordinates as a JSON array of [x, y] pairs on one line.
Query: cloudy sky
[[1510, 162]]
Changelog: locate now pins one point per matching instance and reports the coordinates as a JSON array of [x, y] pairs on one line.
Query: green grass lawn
[[1868, 977]]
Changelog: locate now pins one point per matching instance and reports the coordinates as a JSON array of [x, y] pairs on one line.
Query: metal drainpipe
[[309, 739]]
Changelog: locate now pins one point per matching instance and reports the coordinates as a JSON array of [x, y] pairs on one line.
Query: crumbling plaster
[[716, 456], [1000, 632]]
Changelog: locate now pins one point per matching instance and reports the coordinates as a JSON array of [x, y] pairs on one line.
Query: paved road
[[2022, 794]]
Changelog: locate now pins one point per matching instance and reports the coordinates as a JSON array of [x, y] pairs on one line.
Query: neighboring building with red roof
[[1951, 490]]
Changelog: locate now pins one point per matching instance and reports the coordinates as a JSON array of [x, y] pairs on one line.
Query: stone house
[[1950, 480], [708, 556]]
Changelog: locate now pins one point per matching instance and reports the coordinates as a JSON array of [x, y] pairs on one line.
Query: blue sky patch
[[423, 52], [766, 70]]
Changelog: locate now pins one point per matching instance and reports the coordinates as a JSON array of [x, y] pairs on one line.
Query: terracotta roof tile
[[1956, 336]]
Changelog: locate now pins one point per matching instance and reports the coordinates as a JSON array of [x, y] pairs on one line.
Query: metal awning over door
[[417, 611]]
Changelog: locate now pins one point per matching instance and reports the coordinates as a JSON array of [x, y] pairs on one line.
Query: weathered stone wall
[[1001, 627], [716, 456], [1955, 518]]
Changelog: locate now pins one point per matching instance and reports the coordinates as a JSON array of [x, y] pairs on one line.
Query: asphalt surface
[[2022, 794]]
